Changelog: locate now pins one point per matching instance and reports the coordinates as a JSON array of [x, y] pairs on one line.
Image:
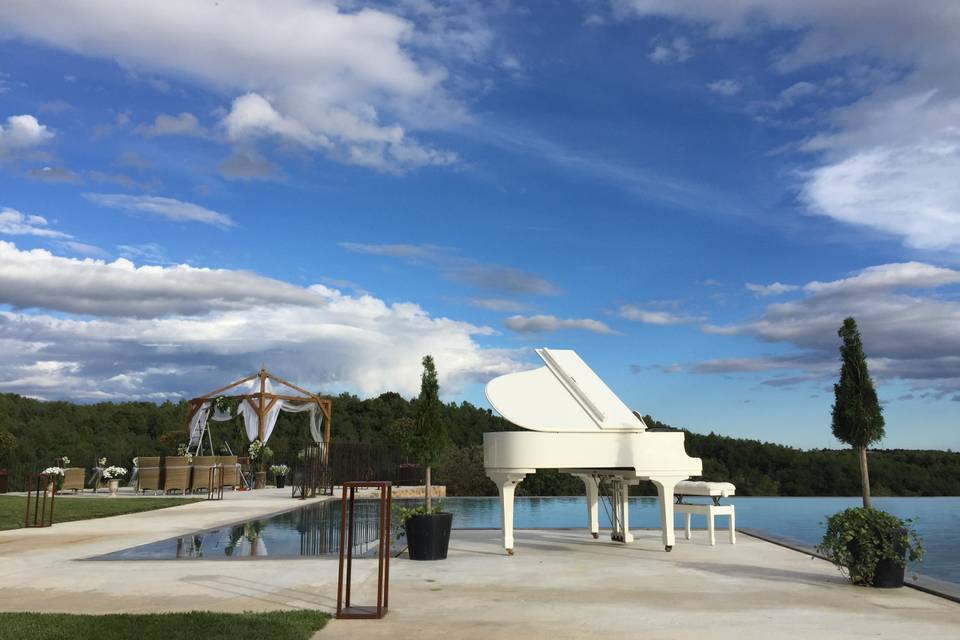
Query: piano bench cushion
[[701, 488]]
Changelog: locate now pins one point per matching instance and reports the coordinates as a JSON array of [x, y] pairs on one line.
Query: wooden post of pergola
[[262, 401]]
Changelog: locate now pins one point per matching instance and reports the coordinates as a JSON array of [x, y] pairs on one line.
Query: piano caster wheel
[[669, 548], [509, 552], [596, 535]]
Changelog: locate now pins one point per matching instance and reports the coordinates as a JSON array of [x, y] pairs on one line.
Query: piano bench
[[715, 491]]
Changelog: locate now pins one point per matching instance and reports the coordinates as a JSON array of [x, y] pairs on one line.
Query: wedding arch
[[262, 396]]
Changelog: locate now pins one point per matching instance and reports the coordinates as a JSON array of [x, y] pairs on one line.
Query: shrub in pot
[[427, 527], [870, 546], [279, 472]]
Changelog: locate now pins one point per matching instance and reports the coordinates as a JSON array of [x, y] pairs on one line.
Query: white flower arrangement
[[279, 469], [53, 471], [102, 462], [114, 473], [65, 461]]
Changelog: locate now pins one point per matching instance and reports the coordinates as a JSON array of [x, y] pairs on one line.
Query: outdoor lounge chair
[[148, 474], [73, 479], [231, 471], [177, 474], [201, 472]]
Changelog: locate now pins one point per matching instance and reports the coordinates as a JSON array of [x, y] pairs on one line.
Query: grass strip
[[274, 625], [66, 509]]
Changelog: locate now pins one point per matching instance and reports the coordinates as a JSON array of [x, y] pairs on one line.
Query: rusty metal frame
[[215, 483], [344, 610], [43, 518]]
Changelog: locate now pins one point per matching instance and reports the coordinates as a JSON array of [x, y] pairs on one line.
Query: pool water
[[313, 530]]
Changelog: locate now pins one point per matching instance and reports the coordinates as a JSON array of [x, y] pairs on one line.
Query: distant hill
[[120, 431]]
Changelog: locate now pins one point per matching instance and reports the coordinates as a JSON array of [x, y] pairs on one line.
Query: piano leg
[[593, 498], [621, 511], [507, 482], [665, 485]]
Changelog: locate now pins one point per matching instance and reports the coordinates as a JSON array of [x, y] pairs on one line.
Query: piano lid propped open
[[564, 395]]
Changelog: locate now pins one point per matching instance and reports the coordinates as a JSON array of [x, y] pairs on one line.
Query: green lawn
[[66, 508], [274, 625]]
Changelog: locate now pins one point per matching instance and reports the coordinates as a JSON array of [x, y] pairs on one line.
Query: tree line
[[44, 431]]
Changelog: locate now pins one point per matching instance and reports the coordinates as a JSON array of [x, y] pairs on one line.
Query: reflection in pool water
[[314, 530]]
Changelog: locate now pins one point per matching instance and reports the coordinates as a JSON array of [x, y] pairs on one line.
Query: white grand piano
[[578, 425]]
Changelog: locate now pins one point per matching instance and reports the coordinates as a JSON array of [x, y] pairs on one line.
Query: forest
[[44, 431]]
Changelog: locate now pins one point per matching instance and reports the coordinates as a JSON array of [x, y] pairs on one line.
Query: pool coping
[[933, 586]]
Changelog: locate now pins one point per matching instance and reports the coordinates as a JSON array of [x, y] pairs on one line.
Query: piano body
[[576, 424]]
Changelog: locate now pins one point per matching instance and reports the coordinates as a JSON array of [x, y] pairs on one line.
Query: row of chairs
[[181, 474]]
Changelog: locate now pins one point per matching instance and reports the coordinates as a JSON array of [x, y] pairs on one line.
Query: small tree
[[857, 415], [428, 439]]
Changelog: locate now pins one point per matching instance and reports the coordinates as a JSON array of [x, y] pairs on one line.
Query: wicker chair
[[148, 474], [201, 472], [231, 471], [177, 474], [73, 479]]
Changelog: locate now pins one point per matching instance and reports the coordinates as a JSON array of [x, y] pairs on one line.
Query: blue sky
[[691, 197]]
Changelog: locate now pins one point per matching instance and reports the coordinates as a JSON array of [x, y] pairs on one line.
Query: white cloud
[[155, 332], [774, 289], [493, 277], [15, 223], [888, 160], [725, 86], [499, 304], [55, 175], [247, 164], [545, 323], [347, 81], [184, 124], [907, 333], [82, 248], [677, 49], [22, 132], [168, 208], [654, 316]]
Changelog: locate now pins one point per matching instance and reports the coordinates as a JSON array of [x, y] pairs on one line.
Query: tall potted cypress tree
[[870, 546], [857, 415], [425, 440]]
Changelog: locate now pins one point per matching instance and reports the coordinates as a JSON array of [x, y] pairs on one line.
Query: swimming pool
[[313, 530]]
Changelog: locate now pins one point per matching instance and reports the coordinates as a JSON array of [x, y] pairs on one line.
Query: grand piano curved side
[[576, 424]]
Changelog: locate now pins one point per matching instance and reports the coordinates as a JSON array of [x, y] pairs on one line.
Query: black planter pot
[[281, 482], [428, 536], [888, 574]]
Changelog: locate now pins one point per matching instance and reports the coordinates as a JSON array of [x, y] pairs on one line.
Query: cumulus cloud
[[15, 223], [773, 289], [508, 280], [184, 124], [888, 160], [546, 323], [22, 132], [655, 316], [247, 164], [677, 49], [168, 208], [54, 175], [348, 82], [112, 330], [725, 86], [908, 333]]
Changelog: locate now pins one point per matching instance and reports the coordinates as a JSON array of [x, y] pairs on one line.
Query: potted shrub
[[870, 546], [114, 475], [280, 472], [54, 478], [260, 455], [427, 527], [7, 444]]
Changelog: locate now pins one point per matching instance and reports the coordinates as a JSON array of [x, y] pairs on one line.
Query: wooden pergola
[[262, 401]]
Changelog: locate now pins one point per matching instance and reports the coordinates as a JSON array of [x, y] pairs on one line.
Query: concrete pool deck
[[560, 584]]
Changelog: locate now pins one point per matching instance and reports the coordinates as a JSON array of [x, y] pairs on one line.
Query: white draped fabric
[[316, 416], [251, 420], [198, 423]]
